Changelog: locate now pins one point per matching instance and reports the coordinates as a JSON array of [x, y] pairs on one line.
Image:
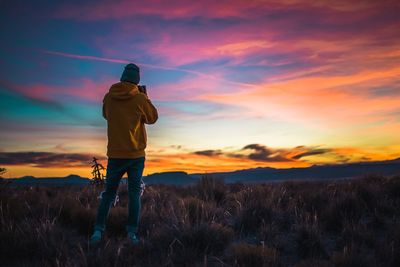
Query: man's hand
[[142, 89]]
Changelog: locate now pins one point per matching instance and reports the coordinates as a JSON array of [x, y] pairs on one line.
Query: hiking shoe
[[133, 238], [95, 238]]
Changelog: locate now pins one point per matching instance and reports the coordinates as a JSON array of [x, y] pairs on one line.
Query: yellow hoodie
[[126, 111]]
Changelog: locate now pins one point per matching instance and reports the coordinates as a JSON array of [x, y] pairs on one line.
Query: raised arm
[[149, 111]]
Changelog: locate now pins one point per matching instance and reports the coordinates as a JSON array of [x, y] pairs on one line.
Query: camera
[[142, 89]]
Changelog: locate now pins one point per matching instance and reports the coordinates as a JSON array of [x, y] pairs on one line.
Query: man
[[126, 109]]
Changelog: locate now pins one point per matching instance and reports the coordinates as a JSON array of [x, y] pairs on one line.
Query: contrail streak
[[123, 61]]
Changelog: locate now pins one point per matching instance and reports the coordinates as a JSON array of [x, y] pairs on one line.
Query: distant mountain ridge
[[71, 179], [255, 175], [315, 172], [177, 178]]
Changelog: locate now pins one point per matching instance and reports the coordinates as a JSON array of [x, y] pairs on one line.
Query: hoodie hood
[[123, 90]]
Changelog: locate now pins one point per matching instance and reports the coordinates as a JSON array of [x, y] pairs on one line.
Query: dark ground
[[346, 223]]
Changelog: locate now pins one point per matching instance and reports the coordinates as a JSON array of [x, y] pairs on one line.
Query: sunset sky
[[238, 84]]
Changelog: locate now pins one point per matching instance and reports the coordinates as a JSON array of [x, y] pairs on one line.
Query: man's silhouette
[[126, 110]]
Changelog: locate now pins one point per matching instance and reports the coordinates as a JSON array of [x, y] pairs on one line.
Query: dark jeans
[[116, 168]]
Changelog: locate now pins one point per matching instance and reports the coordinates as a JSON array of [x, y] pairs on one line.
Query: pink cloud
[[84, 89], [257, 40], [305, 34], [180, 9]]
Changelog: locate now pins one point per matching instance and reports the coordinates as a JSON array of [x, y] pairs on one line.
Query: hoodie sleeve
[[104, 107], [150, 114]]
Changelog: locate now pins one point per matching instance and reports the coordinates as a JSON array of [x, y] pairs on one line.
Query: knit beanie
[[131, 74]]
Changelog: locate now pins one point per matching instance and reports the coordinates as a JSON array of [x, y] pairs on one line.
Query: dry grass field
[[343, 223]]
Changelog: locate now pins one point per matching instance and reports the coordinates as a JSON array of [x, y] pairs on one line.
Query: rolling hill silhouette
[[256, 175]]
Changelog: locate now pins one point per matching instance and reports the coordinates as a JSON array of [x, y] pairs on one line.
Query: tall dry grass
[[346, 223]]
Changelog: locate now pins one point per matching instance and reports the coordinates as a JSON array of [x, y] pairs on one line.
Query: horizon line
[[218, 172]]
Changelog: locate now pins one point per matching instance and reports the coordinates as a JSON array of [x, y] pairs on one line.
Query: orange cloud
[[321, 99]]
